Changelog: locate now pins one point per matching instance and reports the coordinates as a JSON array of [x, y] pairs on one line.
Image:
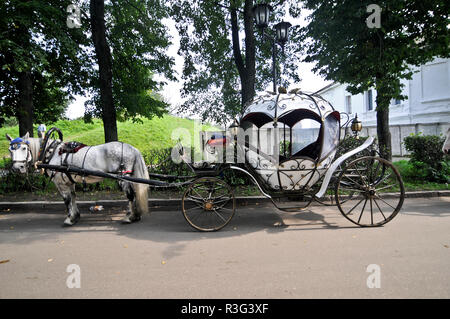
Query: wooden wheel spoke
[[362, 211], [385, 202], [359, 173], [195, 207], [379, 208], [195, 191], [353, 189], [196, 216], [371, 211], [225, 201], [210, 195], [384, 178], [376, 170], [218, 214], [351, 180], [381, 177], [195, 199], [355, 206], [385, 187], [219, 198]]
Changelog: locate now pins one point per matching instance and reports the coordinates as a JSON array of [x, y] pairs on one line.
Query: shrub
[[160, 162], [427, 157], [350, 143], [409, 172]]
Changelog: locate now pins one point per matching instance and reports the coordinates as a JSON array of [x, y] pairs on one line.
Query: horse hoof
[[130, 219]]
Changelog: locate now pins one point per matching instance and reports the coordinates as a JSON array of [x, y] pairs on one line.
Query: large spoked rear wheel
[[208, 204], [369, 191]]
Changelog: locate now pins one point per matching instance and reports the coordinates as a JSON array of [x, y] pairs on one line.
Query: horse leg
[[67, 191], [132, 213]]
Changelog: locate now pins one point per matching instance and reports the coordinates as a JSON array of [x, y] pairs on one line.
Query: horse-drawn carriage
[[286, 144]]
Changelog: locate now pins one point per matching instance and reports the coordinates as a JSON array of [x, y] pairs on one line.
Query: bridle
[[15, 145], [45, 154]]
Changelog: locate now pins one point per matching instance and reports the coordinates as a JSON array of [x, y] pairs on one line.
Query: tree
[[40, 59], [130, 42], [221, 70], [346, 50], [104, 60]]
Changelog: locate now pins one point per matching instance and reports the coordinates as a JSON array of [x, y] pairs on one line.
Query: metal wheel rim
[[208, 214], [365, 200]]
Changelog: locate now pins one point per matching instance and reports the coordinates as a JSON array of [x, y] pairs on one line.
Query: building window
[[435, 77], [369, 101], [396, 102], [348, 104]]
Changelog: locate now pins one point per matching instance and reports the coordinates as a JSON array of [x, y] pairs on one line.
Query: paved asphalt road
[[262, 253]]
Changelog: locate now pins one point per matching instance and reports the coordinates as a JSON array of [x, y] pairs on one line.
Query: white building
[[426, 109]]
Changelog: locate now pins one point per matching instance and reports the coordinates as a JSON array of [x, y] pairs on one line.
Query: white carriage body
[[264, 124], [303, 167]]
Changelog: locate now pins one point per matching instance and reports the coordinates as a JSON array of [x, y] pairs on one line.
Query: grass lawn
[[149, 135]]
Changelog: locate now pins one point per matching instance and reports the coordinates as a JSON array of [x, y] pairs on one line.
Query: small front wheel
[[208, 204], [369, 191]]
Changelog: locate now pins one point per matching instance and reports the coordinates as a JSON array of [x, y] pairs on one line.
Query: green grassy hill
[[149, 135]]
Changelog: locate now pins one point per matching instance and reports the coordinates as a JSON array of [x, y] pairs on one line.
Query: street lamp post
[[262, 12]]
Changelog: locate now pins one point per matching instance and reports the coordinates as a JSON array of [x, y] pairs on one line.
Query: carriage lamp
[[356, 126], [234, 128]]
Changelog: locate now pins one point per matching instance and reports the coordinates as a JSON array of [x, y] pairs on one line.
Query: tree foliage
[[138, 41], [411, 33], [38, 51], [45, 63], [225, 58]]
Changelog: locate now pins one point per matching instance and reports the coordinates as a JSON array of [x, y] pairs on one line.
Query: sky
[[172, 91]]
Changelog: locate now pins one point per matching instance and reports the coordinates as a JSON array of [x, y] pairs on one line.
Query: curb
[[175, 203], [160, 204]]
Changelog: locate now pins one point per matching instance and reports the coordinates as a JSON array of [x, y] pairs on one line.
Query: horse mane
[[35, 145]]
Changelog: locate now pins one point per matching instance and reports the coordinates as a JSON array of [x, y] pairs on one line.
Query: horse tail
[[141, 190]]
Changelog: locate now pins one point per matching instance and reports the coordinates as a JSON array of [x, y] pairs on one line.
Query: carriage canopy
[[309, 124]]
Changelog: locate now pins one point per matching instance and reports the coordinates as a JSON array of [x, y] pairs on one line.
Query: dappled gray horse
[[446, 147], [113, 157]]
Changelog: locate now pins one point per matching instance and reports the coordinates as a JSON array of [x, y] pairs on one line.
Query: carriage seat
[[312, 151], [71, 147]]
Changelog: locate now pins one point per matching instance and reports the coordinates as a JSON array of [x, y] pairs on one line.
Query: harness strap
[[82, 167], [122, 165]]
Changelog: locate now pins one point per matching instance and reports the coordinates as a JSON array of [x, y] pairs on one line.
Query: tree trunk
[[25, 107], [25, 103], [384, 135], [248, 91], [103, 53], [247, 70]]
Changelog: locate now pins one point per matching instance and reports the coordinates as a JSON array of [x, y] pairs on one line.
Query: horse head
[[20, 151]]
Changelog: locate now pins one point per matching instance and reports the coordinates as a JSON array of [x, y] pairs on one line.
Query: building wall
[[426, 109]]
